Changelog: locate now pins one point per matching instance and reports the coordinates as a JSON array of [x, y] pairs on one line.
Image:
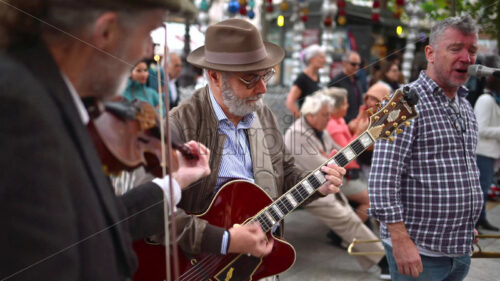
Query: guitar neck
[[294, 197]]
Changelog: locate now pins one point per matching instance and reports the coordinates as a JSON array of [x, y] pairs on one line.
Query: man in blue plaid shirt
[[424, 187]]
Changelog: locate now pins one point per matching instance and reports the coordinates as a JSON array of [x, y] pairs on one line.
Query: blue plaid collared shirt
[[428, 178], [236, 160]]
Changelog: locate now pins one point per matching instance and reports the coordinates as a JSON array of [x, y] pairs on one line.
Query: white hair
[[310, 52], [313, 103], [337, 95]]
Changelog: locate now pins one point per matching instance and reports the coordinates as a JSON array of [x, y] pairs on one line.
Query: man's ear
[[106, 30], [215, 77], [429, 54]]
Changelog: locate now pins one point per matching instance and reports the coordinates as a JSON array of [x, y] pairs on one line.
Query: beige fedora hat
[[235, 45]]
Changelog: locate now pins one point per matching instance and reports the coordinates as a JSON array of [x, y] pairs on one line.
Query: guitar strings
[[205, 267]]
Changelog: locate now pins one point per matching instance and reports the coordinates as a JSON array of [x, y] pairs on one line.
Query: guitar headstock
[[394, 115]]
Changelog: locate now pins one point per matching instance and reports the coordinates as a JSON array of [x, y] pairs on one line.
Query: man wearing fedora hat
[[60, 219], [228, 116]]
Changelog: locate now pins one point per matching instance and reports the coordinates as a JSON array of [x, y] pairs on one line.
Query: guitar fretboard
[[289, 201]]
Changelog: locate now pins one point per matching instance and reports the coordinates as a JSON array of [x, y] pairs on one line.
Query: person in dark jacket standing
[[349, 81]]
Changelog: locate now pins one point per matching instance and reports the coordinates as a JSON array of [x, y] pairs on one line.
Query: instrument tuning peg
[[386, 97], [407, 124], [370, 111], [387, 133], [378, 104], [399, 131], [391, 139]]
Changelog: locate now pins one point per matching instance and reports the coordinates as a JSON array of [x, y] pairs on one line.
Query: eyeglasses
[[251, 80], [456, 117], [354, 64]]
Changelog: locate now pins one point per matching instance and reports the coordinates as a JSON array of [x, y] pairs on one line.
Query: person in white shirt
[[487, 110]]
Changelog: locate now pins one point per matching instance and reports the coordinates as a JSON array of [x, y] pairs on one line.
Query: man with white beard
[[229, 117]]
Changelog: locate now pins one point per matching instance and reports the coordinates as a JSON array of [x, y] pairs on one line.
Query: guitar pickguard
[[239, 269]]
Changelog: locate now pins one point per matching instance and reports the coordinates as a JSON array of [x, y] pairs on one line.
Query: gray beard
[[238, 106]]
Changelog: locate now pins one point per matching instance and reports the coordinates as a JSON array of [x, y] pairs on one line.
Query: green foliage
[[486, 13]]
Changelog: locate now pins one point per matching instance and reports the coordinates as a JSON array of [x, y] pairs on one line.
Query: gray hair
[[173, 53], [310, 52], [338, 95], [464, 24], [313, 103]]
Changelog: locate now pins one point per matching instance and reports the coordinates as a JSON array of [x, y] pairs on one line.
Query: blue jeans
[[486, 172], [435, 268]]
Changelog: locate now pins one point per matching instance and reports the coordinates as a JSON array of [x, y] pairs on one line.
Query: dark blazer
[[59, 217]]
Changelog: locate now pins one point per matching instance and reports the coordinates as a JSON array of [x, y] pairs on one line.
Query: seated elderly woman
[[312, 146], [355, 188]]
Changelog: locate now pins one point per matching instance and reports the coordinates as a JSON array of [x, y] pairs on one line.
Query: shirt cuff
[[388, 214], [225, 243], [163, 183]]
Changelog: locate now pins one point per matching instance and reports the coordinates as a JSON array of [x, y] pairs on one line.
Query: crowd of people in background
[[334, 117], [63, 214]]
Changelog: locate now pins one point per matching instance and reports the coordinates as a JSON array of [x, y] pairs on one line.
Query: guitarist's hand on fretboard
[[334, 176], [249, 239]]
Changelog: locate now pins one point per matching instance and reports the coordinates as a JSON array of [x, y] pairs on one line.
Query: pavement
[[318, 260]]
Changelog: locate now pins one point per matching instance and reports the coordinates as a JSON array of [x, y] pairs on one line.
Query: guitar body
[[235, 203]]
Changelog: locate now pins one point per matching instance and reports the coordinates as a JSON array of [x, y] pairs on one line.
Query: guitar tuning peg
[[370, 111], [376, 118], [403, 117], [386, 97], [399, 131], [387, 133], [393, 104], [378, 104], [391, 139], [395, 124], [407, 124]]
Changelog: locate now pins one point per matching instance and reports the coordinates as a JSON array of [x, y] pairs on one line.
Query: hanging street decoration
[[298, 31], [376, 11], [240, 7], [398, 8], [341, 7], [329, 10], [284, 6], [269, 6], [414, 13], [203, 17], [303, 10], [233, 6]]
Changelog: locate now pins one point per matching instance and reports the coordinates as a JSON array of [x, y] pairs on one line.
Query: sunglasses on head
[[250, 80]]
